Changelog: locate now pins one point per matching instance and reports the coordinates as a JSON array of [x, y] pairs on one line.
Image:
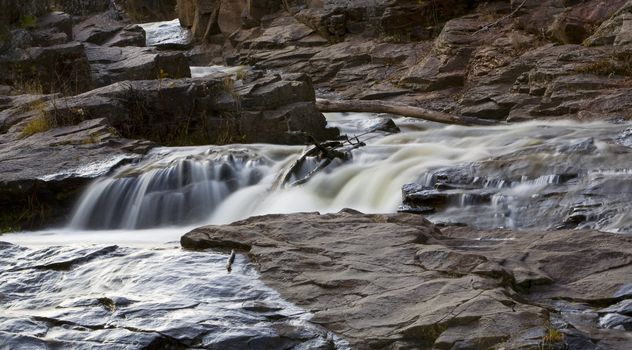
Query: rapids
[[529, 175]]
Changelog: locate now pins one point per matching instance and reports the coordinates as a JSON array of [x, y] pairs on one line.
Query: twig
[[491, 25]]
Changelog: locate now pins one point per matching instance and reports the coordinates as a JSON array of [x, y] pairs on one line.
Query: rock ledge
[[398, 282]]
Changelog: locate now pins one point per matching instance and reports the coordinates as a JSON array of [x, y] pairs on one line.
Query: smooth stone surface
[[397, 281]]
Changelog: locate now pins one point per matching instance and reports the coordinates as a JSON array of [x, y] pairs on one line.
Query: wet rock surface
[[581, 182], [61, 297], [398, 281]]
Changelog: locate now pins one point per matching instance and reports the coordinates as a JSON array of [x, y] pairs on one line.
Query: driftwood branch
[[324, 152], [398, 109]]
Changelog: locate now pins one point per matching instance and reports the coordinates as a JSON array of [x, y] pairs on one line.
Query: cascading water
[[178, 188], [519, 176]]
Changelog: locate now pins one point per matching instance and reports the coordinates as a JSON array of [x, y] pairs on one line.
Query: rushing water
[[531, 175], [74, 288], [167, 34]]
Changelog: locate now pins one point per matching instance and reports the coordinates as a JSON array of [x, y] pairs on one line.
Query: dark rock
[[112, 64], [149, 10], [16, 11], [97, 29], [393, 282], [423, 196], [624, 307], [384, 125], [84, 7], [130, 35], [415, 209], [266, 110], [57, 68]]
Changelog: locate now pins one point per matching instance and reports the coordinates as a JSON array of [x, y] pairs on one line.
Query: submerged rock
[[397, 281]]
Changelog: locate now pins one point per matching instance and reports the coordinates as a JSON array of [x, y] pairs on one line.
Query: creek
[[116, 277]]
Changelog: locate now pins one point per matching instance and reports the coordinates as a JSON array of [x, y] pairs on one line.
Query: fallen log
[[363, 106]]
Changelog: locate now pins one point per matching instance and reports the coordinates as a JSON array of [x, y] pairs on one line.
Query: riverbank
[[398, 281]]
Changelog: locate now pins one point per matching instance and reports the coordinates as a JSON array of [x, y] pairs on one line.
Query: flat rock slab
[[397, 281]]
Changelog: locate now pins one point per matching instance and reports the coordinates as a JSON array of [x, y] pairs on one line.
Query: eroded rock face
[[397, 281], [488, 59]]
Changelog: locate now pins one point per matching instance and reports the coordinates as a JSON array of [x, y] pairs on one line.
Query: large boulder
[[615, 31], [447, 65], [109, 29], [111, 64], [398, 282]]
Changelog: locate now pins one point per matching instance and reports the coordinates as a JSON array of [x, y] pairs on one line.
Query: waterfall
[[518, 176], [168, 189]]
